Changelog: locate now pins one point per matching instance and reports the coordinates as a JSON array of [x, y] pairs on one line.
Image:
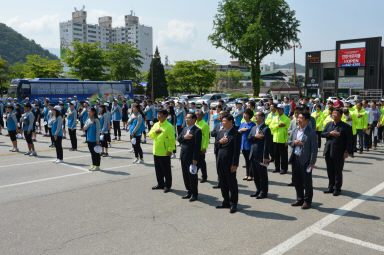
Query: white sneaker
[[28, 153], [136, 161], [11, 149], [15, 150], [131, 150], [141, 161], [59, 161], [33, 154], [173, 155]]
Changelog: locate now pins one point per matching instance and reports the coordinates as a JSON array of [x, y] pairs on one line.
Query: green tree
[[192, 76], [3, 75], [38, 67], [252, 29], [86, 61], [17, 71], [160, 88], [124, 62]]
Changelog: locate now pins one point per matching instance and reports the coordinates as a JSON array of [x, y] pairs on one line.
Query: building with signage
[[140, 36], [355, 67]]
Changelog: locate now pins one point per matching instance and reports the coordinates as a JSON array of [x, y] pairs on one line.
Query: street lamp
[[294, 46]]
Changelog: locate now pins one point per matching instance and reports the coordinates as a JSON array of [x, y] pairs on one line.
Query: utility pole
[[153, 83]]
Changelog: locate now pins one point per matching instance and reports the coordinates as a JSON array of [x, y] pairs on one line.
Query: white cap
[[281, 106], [57, 108], [316, 99], [106, 104]]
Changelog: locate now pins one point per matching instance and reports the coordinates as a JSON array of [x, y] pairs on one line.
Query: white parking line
[[42, 180], [351, 240], [319, 225]]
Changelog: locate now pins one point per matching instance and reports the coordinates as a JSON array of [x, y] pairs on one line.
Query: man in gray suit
[[303, 142]]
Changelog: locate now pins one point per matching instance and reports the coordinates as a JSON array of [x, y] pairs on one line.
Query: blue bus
[[41, 88]]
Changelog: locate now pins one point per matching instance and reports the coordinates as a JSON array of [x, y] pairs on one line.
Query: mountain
[[54, 51], [14, 47], [299, 68]]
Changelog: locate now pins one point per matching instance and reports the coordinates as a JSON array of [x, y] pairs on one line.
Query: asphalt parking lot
[[49, 208]]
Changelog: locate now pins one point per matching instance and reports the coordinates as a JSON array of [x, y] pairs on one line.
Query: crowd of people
[[261, 131]]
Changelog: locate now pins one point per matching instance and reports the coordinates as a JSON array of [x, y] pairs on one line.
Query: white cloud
[[177, 33], [44, 30]]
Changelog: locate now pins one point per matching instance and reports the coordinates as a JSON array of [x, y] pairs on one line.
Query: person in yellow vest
[[164, 142], [327, 118], [268, 120], [318, 115], [279, 127], [351, 119], [380, 125], [381, 129], [361, 125], [201, 163]]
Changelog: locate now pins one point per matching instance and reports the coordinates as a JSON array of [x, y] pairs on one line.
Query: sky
[[181, 27]]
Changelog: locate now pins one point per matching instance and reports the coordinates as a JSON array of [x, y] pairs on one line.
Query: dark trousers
[[190, 180], [260, 177], [281, 156], [72, 136], [137, 147], [380, 133], [374, 124], [302, 181], [95, 156], [179, 130], [318, 133], [202, 164], [248, 170], [116, 128], [163, 171], [104, 143], [360, 134], [50, 135], [354, 143], [59, 147], [335, 172], [46, 128], [271, 149], [228, 184]]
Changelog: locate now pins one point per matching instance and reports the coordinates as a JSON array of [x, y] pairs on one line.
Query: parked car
[[189, 97], [209, 98], [354, 98]]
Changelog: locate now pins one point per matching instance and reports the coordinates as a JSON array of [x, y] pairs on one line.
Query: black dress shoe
[[283, 172], [233, 209], [276, 171], [336, 193], [223, 206], [328, 191], [166, 190], [262, 196], [203, 180], [157, 187], [193, 198], [216, 187], [188, 196], [290, 184], [255, 194], [297, 203], [306, 206]]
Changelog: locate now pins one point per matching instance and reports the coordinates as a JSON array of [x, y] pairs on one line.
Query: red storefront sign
[[352, 57]]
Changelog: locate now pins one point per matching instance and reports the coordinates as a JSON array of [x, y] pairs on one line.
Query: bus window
[[75, 89], [105, 88], [119, 89], [12, 91], [25, 90], [40, 89], [90, 89], [59, 89]]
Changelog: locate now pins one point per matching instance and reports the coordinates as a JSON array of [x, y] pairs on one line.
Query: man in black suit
[[337, 148], [214, 134], [260, 139], [303, 142], [190, 141], [228, 152]]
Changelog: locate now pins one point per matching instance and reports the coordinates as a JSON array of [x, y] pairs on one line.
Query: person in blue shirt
[[104, 129], [45, 117], [92, 126], [216, 117], [57, 132], [244, 130], [238, 114], [84, 116], [12, 127], [206, 113], [287, 106], [192, 109], [116, 118], [72, 117], [136, 129], [180, 117], [28, 120]]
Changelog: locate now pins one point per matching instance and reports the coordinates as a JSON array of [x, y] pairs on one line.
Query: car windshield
[[206, 97], [12, 91]]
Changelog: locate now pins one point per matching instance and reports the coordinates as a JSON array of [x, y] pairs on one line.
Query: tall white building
[[132, 33]]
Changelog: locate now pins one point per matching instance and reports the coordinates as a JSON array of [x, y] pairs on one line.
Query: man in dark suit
[[260, 139], [214, 133], [303, 142], [190, 141], [337, 148], [228, 152]]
